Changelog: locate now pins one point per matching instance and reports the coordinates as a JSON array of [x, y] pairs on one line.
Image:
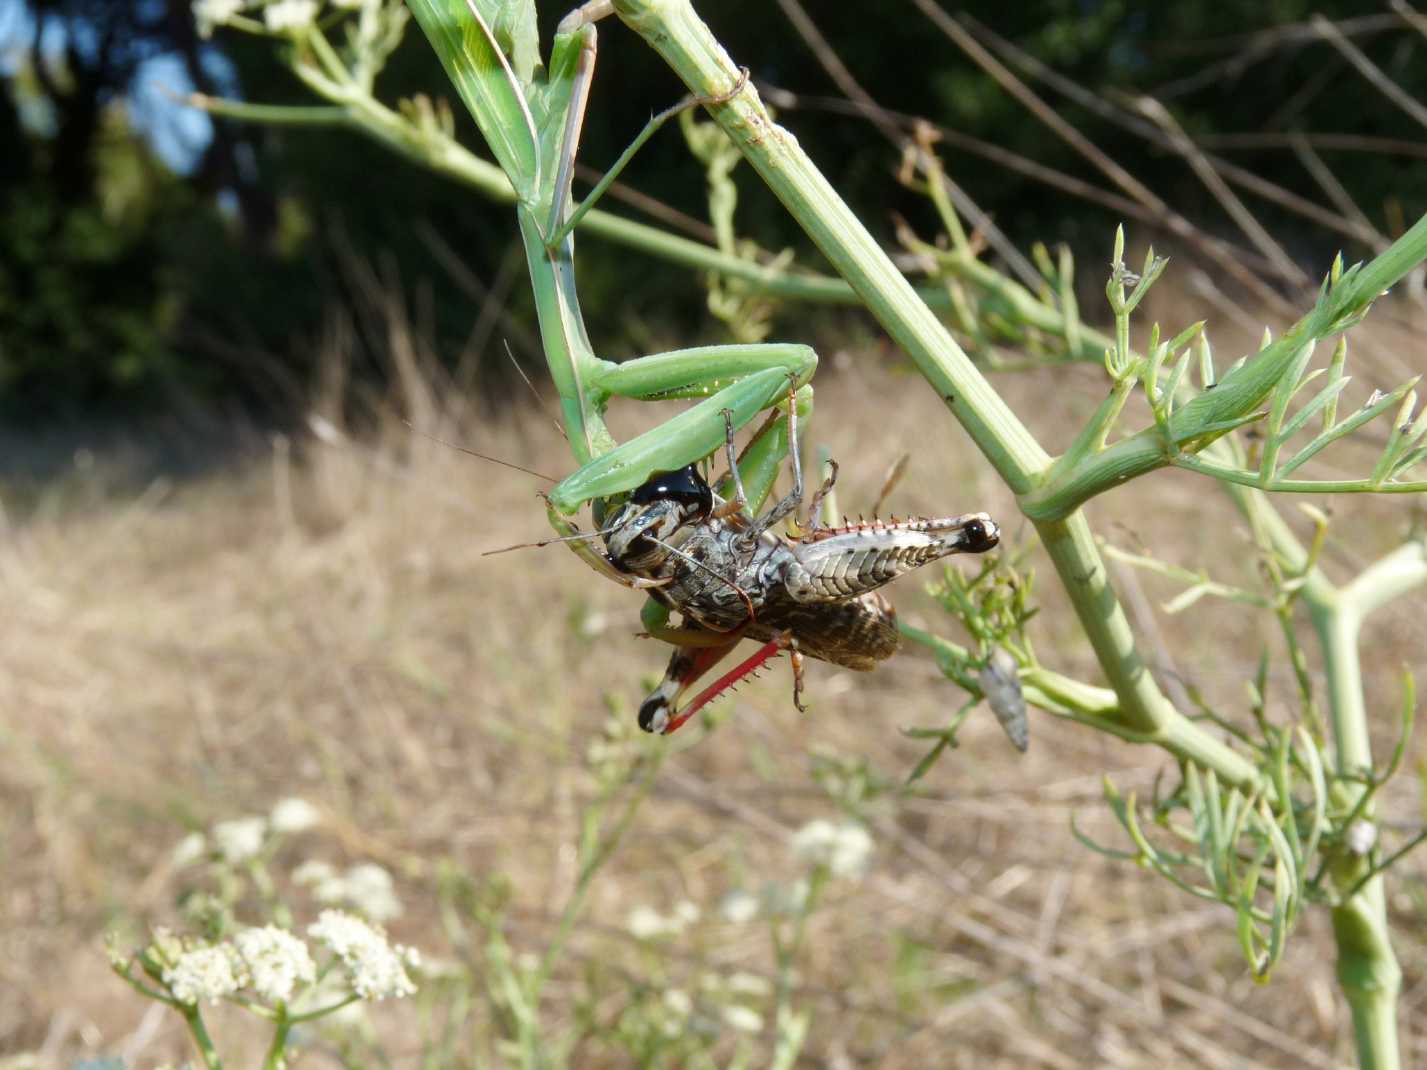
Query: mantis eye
[[684, 487]]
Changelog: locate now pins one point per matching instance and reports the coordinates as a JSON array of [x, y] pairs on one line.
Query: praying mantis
[[818, 590]]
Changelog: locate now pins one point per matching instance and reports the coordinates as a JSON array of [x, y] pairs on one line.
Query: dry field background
[[315, 619]]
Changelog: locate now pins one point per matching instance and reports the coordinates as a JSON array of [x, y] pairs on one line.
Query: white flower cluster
[[293, 815], [776, 899], [290, 14], [205, 974], [243, 838], [366, 888], [844, 848], [277, 962], [375, 968], [280, 16], [646, 923], [270, 961], [240, 839], [210, 14]]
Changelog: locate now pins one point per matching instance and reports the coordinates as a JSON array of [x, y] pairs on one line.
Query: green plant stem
[[1388, 577], [1145, 715], [365, 115], [1231, 474], [276, 1058], [1043, 688], [1367, 967], [598, 848], [1075, 479], [193, 1018], [672, 28]]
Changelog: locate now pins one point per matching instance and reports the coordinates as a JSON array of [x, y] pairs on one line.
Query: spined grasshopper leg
[[689, 664]]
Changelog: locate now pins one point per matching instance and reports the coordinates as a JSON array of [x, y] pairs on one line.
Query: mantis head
[[654, 511]]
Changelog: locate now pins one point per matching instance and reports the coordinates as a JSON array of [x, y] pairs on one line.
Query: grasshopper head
[[654, 511]]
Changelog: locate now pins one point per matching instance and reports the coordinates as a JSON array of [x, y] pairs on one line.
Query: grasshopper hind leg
[[688, 664]]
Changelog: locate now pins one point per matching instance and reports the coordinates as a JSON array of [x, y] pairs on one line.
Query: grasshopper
[[531, 117], [733, 576]]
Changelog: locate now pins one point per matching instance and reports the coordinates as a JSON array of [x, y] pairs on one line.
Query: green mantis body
[[531, 119]]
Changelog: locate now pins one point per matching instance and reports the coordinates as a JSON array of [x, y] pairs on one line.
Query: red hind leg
[[740, 672]]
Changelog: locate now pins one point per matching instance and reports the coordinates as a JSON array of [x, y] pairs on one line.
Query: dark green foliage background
[[124, 286]]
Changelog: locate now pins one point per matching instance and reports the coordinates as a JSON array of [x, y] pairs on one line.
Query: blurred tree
[[144, 248]]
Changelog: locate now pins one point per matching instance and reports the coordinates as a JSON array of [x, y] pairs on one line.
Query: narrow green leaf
[[1351, 424], [467, 48], [1320, 400], [1278, 409], [1395, 439], [1335, 372]]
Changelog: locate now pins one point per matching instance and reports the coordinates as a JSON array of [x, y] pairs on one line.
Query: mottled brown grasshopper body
[[732, 576]]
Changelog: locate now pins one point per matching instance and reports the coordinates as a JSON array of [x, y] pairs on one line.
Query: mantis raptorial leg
[[737, 381]]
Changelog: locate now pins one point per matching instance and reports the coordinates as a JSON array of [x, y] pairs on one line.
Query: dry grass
[[320, 622]]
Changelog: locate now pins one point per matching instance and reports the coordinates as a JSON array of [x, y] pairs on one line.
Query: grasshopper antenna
[[539, 398], [483, 456], [579, 536]]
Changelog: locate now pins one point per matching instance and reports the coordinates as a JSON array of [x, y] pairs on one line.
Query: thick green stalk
[[193, 1018], [673, 29], [1367, 968], [1145, 715]]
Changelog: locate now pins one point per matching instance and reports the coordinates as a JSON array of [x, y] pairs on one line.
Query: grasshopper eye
[[686, 487]]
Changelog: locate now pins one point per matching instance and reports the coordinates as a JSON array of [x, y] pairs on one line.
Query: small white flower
[[210, 14], [748, 984], [743, 1019], [294, 815], [290, 14], [845, 848], [190, 849], [205, 973], [646, 923], [374, 968], [784, 899], [240, 839], [677, 1002], [277, 962], [370, 889], [366, 888], [739, 907], [313, 871]]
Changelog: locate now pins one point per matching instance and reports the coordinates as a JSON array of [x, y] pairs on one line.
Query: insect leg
[[795, 656], [740, 672], [739, 501], [814, 522], [794, 498], [687, 664]]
